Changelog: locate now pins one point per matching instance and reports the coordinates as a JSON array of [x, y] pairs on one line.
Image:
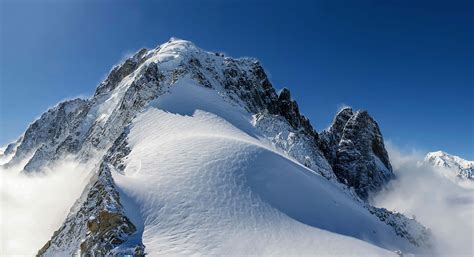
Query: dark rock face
[[143, 89], [97, 223], [354, 147], [69, 129], [121, 71], [288, 108], [252, 86], [404, 227], [11, 148], [105, 232], [256, 91], [50, 129], [331, 137]]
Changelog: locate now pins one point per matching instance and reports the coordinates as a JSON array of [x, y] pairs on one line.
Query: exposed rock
[[294, 143], [288, 108], [331, 137], [119, 72], [356, 151], [105, 232], [76, 126], [257, 93], [404, 227], [97, 224], [11, 148], [144, 88], [50, 130]]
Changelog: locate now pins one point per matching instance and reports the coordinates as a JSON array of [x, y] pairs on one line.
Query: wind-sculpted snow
[[203, 185], [196, 153]]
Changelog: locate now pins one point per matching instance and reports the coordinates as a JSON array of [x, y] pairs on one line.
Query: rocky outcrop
[[88, 127], [254, 89], [11, 148], [331, 137], [139, 92], [354, 146], [295, 143], [119, 72], [97, 224], [50, 130], [404, 227]]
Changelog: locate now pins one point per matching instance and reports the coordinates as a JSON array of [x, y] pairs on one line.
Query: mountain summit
[[461, 168], [196, 153]]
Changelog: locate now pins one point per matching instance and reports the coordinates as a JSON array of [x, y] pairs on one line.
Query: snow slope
[[200, 180], [451, 166]]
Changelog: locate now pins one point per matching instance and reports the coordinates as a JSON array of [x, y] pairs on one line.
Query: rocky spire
[[332, 136], [354, 147]]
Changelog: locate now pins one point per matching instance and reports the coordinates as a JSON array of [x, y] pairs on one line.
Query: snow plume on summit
[[439, 203]]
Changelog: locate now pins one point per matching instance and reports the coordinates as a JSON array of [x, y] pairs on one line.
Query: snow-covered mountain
[[457, 166], [196, 153]]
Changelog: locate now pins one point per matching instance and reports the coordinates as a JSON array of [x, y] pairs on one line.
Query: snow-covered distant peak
[[174, 48], [462, 168], [443, 159], [177, 43]]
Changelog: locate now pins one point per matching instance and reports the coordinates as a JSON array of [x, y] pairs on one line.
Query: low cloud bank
[[33, 206], [439, 203]]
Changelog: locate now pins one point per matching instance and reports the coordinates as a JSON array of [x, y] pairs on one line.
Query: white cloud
[[436, 201], [34, 205]]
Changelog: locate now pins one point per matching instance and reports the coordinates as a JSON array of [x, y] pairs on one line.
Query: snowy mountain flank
[[196, 153], [456, 166]]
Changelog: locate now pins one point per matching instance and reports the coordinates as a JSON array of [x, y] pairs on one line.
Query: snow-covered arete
[[198, 154]]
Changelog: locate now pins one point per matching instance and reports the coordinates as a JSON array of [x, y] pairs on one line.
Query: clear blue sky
[[410, 63]]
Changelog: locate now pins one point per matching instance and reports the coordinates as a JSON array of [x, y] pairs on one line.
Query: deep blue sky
[[410, 63]]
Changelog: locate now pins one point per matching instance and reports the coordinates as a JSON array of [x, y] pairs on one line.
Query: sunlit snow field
[[200, 179], [206, 183]]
